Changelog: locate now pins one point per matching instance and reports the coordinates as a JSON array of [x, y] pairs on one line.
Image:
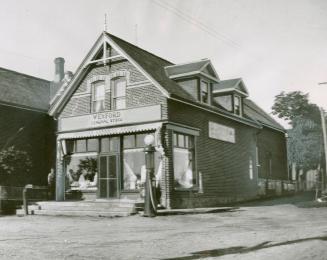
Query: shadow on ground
[[242, 249]]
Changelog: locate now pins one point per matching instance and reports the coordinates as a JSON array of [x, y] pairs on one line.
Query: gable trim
[[82, 69], [230, 90], [192, 73], [136, 65]]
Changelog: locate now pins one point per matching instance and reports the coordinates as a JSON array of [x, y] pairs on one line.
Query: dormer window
[[98, 96], [119, 93], [237, 105], [204, 92]]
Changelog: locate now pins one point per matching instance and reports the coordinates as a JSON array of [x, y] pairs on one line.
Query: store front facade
[[206, 138]]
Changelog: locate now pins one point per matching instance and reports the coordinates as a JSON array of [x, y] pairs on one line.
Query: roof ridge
[[135, 46], [23, 74]]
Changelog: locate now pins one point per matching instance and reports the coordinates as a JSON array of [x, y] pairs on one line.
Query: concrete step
[[76, 213], [83, 205], [81, 208], [104, 208]]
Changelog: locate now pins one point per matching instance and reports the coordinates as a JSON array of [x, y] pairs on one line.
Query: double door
[[108, 176]]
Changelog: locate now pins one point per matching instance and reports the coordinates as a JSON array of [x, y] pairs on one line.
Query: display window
[[184, 166]]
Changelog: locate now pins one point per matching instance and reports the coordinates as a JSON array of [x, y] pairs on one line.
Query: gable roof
[[191, 68], [155, 68], [230, 85], [253, 111], [23, 90], [153, 65]]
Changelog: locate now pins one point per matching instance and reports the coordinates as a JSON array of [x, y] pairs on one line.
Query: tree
[[304, 143], [295, 105], [14, 166]]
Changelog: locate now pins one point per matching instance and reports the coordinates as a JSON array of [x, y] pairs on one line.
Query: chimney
[[59, 69]]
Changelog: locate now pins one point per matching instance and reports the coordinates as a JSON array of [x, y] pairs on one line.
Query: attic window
[[119, 93], [204, 92], [237, 105], [98, 97]]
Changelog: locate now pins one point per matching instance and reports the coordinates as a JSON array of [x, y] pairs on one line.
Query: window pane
[[98, 106], [105, 145], [112, 167], [99, 92], [129, 141], [204, 86], [114, 144], [204, 91], [181, 140], [183, 169], [120, 88], [93, 145], [81, 146], [103, 167], [175, 140], [70, 146], [120, 103], [81, 171], [187, 144], [134, 168], [140, 140]]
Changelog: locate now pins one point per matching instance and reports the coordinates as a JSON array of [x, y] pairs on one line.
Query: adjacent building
[[26, 125], [214, 145]]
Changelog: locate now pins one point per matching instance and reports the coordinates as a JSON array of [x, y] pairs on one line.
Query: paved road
[[252, 231]]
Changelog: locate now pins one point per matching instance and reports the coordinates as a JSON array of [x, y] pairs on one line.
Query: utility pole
[[323, 125]]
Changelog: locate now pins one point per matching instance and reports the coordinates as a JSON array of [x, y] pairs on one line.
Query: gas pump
[[150, 203]]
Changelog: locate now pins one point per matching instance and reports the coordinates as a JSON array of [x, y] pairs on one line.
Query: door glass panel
[[113, 188], [103, 188], [112, 167], [103, 167]]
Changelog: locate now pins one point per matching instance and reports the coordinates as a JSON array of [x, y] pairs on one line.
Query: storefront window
[[184, 174], [93, 145], [134, 162], [81, 146], [81, 171], [111, 144]]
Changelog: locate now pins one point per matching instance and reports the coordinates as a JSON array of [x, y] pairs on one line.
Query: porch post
[[60, 175]]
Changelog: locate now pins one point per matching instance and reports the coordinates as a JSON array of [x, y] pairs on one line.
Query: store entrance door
[[108, 176]]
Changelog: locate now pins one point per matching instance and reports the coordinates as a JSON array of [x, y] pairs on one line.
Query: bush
[[15, 166]]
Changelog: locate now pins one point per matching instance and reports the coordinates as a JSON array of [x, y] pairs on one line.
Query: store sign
[[111, 118], [221, 132]]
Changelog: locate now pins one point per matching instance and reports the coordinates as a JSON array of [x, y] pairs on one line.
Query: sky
[[274, 45]]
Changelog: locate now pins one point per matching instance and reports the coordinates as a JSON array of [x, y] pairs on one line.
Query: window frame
[[193, 149], [93, 97], [114, 98], [207, 92], [239, 105]]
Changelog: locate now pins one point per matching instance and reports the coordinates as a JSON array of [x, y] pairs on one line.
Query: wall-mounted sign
[[111, 118], [221, 132]]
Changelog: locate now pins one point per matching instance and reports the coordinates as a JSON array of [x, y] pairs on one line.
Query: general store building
[[213, 144]]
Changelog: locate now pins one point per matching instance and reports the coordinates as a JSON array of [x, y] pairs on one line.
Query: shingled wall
[[224, 166], [140, 91]]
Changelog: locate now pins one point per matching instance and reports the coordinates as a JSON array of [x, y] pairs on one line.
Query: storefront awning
[[110, 131]]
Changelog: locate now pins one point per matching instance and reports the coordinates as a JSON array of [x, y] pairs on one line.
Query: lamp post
[[149, 200]]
